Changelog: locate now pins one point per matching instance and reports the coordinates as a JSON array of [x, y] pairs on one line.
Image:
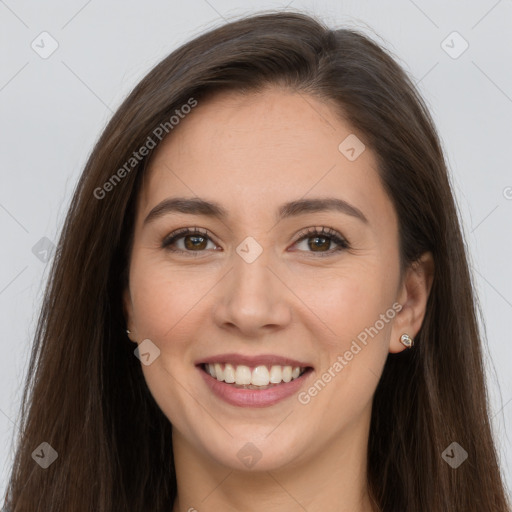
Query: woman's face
[[254, 289]]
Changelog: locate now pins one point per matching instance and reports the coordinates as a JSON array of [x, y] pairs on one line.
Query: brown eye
[[187, 241], [193, 242], [319, 241]]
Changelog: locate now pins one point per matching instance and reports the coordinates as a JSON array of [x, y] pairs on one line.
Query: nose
[[252, 299]]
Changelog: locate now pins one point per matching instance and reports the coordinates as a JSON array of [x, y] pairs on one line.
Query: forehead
[[255, 151]]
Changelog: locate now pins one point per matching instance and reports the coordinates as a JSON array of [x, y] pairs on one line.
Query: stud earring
[[406, 340], [128, 331]]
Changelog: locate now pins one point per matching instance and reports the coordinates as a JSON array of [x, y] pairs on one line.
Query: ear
[[128, 314], [413, 296]]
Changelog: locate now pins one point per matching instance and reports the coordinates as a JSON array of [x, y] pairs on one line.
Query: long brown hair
[[85, 393]]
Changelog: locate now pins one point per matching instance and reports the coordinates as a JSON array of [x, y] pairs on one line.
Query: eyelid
[[319, 230], [335, 236], [182, 232]]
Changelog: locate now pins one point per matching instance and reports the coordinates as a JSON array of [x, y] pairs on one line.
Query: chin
[[255, 453]]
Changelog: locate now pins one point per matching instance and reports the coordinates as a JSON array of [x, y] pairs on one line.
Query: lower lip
[[254, 397]]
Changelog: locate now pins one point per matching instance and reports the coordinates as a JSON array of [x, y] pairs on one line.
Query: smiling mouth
[[258, 377]]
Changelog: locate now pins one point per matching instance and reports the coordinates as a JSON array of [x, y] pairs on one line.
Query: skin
[[251, 154]]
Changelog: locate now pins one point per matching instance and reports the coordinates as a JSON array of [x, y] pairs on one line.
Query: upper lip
[[260, 360]]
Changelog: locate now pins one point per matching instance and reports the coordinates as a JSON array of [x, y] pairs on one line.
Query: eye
[[318, 239], [194, 240]]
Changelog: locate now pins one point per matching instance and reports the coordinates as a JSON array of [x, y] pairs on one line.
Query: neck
[[334, 480]]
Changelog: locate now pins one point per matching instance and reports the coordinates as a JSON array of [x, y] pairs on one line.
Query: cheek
[[160, 298], [357, 308], [348, 300], [169, 304]]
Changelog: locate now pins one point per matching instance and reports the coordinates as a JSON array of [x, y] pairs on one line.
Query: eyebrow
[[198, 206]]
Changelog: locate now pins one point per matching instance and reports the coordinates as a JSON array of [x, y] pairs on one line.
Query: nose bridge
[[252, 297], [252, 278]]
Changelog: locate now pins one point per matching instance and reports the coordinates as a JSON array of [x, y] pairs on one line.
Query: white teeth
[[229, 374], [242, 375], [260, 376], [219, 374], [276, 374]]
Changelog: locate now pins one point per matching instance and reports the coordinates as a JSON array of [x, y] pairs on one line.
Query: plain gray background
[[53, 108]]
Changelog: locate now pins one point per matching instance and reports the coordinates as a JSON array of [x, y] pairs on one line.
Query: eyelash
[[329, 233]]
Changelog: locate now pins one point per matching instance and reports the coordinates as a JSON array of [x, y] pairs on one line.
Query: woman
[[261, 297]]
